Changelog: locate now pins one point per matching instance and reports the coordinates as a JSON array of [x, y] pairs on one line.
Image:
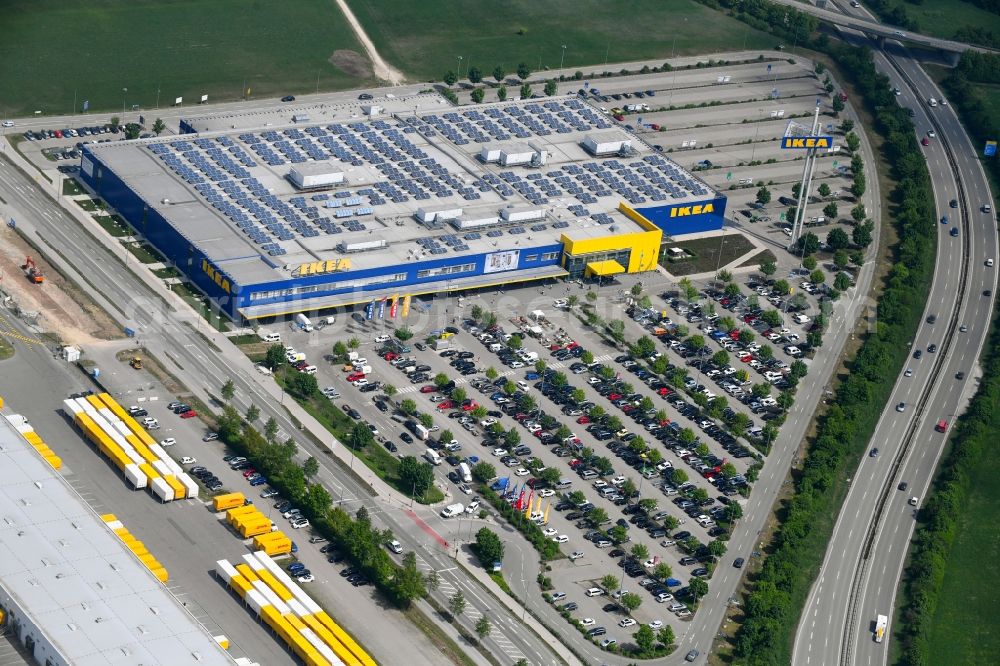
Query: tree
[[310, 467], [228, 390], [456, 604], [817, 277], [270, 430], [847, 125], [499, 73], [772, 317], [426, 420], [720, 358], [491, 373], [512, 438], [478, 94], [724, 276], [483, 472], [809, 263], [858, 213], [597, 516], [440, 379], [415, 476], [698, 587], [408, 407], [858, 187], [796, 190], [809, 243], [631, 601], [159, 126], [525, 91], [274, 356], [403, 333], [768, 267], [830, 210], [733, 512], [408, 583], [459, 395], [483, 627], [432, 579], [450, 78], [853, 142], [609, 582], [353, 343], [837, 239], [502, 93], [824, 190], [862, 234], [475, 75], [515, 342], [132, 130], [841, 282], [523, 71], [489, 546], [301, 385], [841, 258], [640, 552], [616, 327], [763, 196], [838, 105], [666, 635], [253, 413], [551, 88], [360, 437], [644, 638], [662, 571]]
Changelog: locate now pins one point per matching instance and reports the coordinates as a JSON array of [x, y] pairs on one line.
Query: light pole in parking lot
[[562, 57], [124, 93]]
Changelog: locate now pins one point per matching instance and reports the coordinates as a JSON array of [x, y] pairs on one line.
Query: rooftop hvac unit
[[362, 246]]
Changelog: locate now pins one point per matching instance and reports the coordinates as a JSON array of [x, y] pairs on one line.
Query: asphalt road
[[175, 336], [825, 635]]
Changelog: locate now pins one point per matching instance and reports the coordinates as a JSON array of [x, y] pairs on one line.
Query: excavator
[[136, 362], [32, 272]]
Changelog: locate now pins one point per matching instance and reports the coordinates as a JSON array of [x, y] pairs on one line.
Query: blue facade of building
[[679, 219], [212, 277]]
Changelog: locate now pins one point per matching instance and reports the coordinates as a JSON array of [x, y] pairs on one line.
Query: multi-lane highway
[[860, 575], [173, 335]]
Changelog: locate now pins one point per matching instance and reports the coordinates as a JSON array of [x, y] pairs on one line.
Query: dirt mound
[[352, 63]]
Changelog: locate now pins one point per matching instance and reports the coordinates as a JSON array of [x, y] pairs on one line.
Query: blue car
[[944, 220], [673, 582], [297, 566], [259, 481], [532, 375]]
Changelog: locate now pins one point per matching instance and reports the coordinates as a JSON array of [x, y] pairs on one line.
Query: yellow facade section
[[607, 267], [645, 245]]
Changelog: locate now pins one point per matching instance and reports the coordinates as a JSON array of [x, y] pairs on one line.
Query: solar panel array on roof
[[515, 121]]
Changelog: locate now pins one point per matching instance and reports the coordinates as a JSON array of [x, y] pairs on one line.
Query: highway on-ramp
[[860, 574]]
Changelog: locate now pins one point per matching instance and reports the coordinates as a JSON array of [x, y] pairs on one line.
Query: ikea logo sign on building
[[685, 211], [806, 142], [216, 275]]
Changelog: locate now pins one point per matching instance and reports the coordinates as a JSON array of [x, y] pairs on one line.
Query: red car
[[749, 319], [575, 462], [428, 389], [355, 376], [583, 419], [925, 141], [469, 405], [248, 471], [555, 347], [189, 415], [663, 391], [389, 356], [447, 404], [746, 358], [941, 426], [627, 408], [614, 396], [734, 334]]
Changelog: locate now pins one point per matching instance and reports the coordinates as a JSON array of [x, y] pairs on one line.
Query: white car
[[473, 505], [379, 339], [562, 538], [308, 578], [588, 622], [908, 373], [523, 385], [558, 303], [520, 471], [188, 460], [626, 622], [546, 492], [575, 555], [650, 563], [656, 624], [394, 546], [437, 398], [263, 369], [465, 488], [550, 532], [486, 423], [299, 523], [499, 452], [169, 441]]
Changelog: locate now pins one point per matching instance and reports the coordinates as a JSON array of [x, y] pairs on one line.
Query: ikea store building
[[271, 214]]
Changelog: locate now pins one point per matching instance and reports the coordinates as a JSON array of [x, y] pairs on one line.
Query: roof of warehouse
[[228, 193], [91, 598]]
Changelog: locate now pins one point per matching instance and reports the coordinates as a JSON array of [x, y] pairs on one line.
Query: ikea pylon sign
[[806, 142]]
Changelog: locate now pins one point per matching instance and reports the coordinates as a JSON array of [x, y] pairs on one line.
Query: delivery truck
[[432, 456], [302, 323], [881, 622], [465, 472]]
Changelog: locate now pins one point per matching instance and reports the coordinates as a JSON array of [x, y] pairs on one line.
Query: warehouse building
[[271, 217], [70, 592]]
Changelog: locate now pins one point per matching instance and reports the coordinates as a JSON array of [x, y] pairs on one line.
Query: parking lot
[[652, 440]]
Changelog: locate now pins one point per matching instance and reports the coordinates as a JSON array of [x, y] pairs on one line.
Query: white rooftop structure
[[72, 585]]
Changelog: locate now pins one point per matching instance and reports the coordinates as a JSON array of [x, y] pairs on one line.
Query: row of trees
[[356, 537], [475, 74], [773, 606]]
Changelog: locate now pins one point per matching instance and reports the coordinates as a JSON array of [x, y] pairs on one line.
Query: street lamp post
[[459, 72], [124, 93], [562, 57]]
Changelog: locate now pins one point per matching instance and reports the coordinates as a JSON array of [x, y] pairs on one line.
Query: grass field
[[941, 18], [60, 50], [424, 39]]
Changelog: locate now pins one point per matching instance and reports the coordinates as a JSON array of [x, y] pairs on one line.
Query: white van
[[379, 339], [452, 510], [432, 456], [309, 370], [271, 337]]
